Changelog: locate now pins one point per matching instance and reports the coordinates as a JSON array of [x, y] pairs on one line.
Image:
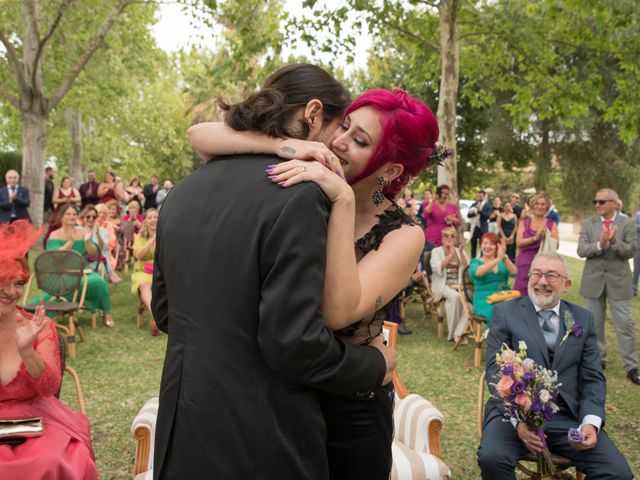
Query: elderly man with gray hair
[[547, 324], [607, 242]]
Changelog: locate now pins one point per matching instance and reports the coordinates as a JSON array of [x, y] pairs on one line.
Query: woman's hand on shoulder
[[292, 172], [294, 149]]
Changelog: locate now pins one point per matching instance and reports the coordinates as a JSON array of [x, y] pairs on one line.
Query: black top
[[363, 331]]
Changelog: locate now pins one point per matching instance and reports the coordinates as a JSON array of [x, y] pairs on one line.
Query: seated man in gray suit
[[607, 241], [538, 320]]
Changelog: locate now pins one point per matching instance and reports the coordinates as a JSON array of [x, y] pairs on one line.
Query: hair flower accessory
[[571, 326], [440, 153], [15, 240]]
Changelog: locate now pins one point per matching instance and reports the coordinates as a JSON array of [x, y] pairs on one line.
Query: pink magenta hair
[[409, 132]]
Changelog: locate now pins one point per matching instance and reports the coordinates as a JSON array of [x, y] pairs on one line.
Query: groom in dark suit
[[539, 320], [238, 281]]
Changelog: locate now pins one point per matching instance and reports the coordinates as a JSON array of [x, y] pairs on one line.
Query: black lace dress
[[360, 430], [363, 331]]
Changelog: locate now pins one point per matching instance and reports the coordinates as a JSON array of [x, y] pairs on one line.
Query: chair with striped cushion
[[143, 430], [416, 444], [416, 450]]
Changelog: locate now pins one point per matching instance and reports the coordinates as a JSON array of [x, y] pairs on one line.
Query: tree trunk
[[543, 165], [448, 95], [74, 124], [33, 157]]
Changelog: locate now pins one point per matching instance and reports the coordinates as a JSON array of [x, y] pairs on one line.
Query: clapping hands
[[27, 329], [502, 249], [608, 236]]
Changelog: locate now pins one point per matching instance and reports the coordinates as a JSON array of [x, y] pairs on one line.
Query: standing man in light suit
[[608, 241], [14, 199]]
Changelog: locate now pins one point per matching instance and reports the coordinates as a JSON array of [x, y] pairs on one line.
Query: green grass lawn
[[120, 369]]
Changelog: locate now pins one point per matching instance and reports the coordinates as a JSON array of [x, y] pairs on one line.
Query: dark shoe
[[604, 365], [403, 329], [634, 376]]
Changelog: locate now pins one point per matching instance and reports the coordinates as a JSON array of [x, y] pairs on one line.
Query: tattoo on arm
[[378, 304], [287, 149]]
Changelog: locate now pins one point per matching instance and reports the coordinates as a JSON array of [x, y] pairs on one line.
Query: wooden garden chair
[[127, 232], [477, 325], [560, 463], [433, 305], [72, 373], [416, 448], [59, 273]]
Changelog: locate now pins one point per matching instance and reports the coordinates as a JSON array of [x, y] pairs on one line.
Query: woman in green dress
[[490, 273], [144, 246], [71, 237]]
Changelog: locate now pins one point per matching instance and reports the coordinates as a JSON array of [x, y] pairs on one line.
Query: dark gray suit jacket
[[21, 202], [238, 280], [608, 267], [577, 360]]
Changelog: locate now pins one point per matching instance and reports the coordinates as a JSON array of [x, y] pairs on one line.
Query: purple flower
[[575, 436], [547, 413], [508, 370], [517, 388], [536, 407], [577, 329], [528, 376]]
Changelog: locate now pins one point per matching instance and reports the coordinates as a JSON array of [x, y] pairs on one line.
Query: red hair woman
[[30, 375], [385, 138], [490, 273]]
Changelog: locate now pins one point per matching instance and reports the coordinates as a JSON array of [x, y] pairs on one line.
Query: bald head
[[12, 177]]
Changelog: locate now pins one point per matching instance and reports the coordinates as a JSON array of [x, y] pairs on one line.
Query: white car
[[464, 206]]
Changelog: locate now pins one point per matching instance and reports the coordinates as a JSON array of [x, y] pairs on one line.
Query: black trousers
[[359, 435]]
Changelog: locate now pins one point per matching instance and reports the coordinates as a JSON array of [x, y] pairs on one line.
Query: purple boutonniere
[[575, 436], [571, 326]]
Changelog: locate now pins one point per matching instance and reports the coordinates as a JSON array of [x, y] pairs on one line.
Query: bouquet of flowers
[[527, 392]]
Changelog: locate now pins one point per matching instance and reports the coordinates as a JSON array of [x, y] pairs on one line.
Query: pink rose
[[504, 386], [508, 357], [524, 401], [518, 371]]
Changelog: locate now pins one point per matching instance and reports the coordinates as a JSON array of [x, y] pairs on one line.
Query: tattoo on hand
[[287, 149]]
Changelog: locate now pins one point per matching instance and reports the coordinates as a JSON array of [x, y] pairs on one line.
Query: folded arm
[[291, 331], [210, 139]]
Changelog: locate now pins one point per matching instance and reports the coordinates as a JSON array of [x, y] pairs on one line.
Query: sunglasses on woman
[[90, 217]]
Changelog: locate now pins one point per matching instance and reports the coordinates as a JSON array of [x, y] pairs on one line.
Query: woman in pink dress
[[439, 215], [531, 232], [30, 375]]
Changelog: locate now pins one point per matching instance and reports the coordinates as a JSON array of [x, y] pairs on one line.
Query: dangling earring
[[378, 197]]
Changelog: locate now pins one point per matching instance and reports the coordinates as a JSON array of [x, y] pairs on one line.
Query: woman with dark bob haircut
[[385, 138]]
